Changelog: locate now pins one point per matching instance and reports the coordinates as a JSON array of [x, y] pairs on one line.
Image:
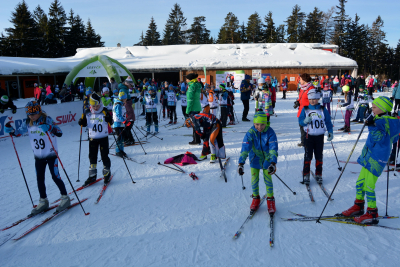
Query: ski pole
[[115, 141], [117, 137], [23, 174], [335, 114], [294, 193], [139, 130], [347, 161], [171, 167], [387, 189], [51, 142], [80, 145], [139, 141], [340, 168], [243, 187]]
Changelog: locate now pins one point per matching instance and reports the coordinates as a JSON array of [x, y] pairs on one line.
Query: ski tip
[[86, 214]]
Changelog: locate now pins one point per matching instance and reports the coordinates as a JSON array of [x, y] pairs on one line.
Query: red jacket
[[303, 99], [37, 92]]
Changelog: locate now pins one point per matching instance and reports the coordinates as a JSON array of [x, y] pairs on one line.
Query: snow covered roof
[[190, 57]]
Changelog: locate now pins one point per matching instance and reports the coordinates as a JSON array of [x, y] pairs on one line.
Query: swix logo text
[[65, 118]]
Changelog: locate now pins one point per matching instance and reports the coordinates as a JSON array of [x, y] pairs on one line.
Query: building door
[[12, 89]]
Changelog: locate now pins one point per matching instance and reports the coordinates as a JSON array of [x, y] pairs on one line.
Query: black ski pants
[[224, 115], [94, 145], [40, 165], [172, 113], [314, 145], [246, 106], [151, 117]]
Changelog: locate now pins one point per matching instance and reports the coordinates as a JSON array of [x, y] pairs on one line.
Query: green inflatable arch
[[98, 66]]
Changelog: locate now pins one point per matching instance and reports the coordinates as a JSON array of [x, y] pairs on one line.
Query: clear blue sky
[[122, 21]]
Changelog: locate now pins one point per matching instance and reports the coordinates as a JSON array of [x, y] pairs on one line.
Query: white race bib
[[40, 143], [317, 125], [98, 127]]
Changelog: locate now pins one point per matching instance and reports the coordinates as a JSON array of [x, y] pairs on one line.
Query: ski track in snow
[[167, 219]]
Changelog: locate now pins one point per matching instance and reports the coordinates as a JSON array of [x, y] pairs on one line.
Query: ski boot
[[170, 122], [306, 179], [119, 154], [318, 178], [92, 175], [254, 204], [271, 205], [64, 203], [42, 206], [213, 158], [342, 129], [370, 217], [300, 144], [355, 210], [106, 175], [203, 157], [174, 121], [148, 130]]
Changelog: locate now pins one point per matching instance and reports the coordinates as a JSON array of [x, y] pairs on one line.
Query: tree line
[[365, 44], [51, 35]]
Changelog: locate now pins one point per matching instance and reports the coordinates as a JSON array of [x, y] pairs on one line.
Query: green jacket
[[193, 97]]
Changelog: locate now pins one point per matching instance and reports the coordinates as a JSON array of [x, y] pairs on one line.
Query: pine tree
[[75, 36], [314, 28], [269, 32], [173, 32], [328, 24], [198, 33], [242, 33], [229, 32], [22, 36], [41, 21], [341, 19], [92, 39], [280, 34], [254, 27], [377, 47], [295, 27], [56, 27], [152, 36]]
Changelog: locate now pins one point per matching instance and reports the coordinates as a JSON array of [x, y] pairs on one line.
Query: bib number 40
[[98, 128]]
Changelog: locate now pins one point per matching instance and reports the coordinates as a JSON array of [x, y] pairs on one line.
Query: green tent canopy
[[96, 67]]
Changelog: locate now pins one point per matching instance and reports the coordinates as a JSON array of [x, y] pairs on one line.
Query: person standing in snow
[[150, 102], [245, 93], [172, 99], [97, 120], [263, 98], [81, 90], [130, 114], [395, 97], [349, 104], [302, 101], [383, 131], [119, 116], [316, 120], [37, 125], [193, 101], [113, 84], [261, 143]]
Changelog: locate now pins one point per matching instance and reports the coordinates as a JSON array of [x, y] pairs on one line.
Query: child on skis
[[213, 141], [262, 145], [183, 103], [327, 97], [223, 103], [37, 125], [150, 101], [213, 101], [349, 110], [383, 132], [230, 104], [172, 99], [119, 117], [97, 120], [316, 121], [363, 105], [263, 98]]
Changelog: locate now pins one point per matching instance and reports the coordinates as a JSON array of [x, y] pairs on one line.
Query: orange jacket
[[303, 99], [37, 92]]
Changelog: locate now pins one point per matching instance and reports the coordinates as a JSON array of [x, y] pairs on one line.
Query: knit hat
[[115, 91], [260, 117], [105, 90], [191, 76], [94, 99], [383, 103], [222, 86], [89, 90], [4, 99], [122, 96], [32, 108], [261, 80], [314, 94]]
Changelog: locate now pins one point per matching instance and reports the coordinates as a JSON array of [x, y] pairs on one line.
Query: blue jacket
[[396, 92], [245, 92], [327, 99], [376, 151], [122, 87], [23, 129], [117, 112], [263, 148], [328, 121]]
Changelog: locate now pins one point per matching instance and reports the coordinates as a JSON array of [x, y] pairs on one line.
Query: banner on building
[[236, 77], [64, 113], [255, 74]]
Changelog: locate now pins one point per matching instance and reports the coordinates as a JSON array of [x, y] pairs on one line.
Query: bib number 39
[[39, 144]]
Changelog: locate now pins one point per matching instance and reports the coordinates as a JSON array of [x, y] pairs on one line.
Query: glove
[[108, 118], [82, 122], [8, 128], [370, 120], [392, 98], [14, 111], [272, 168], [307, 120], [45, 127], [240, 169], [1, 111], [330, 137], [128, 124]]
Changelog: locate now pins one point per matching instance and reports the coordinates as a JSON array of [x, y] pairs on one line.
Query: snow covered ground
[[167, 219]]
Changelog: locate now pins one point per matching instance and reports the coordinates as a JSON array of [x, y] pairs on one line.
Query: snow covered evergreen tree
[[173, 32], [254, 28], [152, 36]]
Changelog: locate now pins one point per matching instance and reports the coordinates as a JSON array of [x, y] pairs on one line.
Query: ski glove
[[307, 120], [330, 137], [82, 122], [45, 127], [8, 128], [272, 168], [241, 169], [108, 118], [14, 111]]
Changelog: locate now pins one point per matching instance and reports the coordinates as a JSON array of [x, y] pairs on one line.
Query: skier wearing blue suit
[[119, 118]]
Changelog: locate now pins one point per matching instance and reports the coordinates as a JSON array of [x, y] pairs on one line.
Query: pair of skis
[[271, 224], [223, 168], [320, 186], [341, 219], [128, 158]]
